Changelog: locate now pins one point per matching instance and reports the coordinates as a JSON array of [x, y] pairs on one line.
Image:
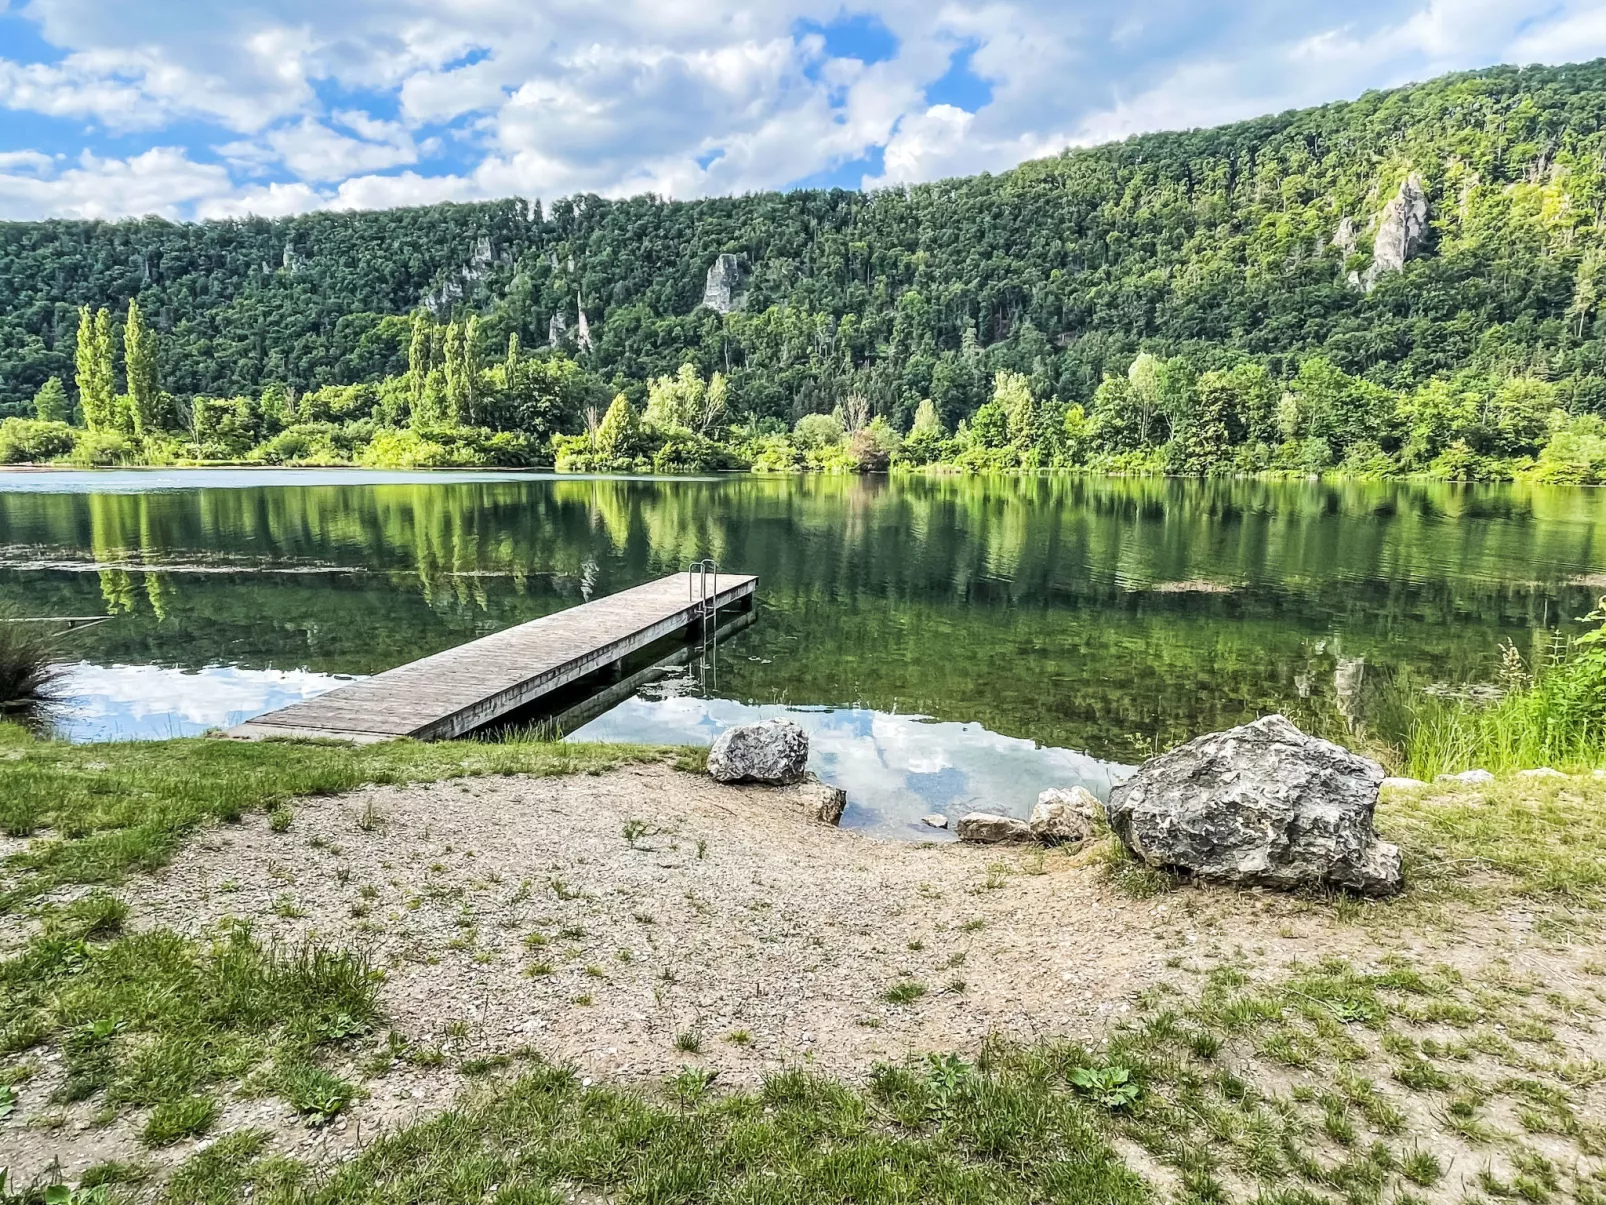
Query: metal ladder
[[698, 573]]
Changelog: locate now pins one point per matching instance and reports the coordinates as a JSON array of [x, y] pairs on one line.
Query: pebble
[[935, 820]]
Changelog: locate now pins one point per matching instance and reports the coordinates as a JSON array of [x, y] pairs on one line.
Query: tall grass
[[28, 673], [1553, 716]]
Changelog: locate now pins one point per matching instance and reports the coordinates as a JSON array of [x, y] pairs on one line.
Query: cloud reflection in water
[[895, 768]]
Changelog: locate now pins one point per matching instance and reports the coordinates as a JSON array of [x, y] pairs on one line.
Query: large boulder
[[1259, 805], [773, 752], [985, 828], [1065, 816]]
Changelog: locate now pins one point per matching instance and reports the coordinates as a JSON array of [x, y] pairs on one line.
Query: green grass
[[1539, 838], [180, 1117], [28, 674], [1025, 1123], [155, 1019], [798, 1139], [1552, 714], [109, 809]]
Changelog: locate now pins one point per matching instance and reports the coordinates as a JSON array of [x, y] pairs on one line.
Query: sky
[[214, 108]]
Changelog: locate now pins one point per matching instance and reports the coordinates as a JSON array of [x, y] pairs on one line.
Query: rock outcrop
[[774, 752], [725, 288], [1259, 805], [1401, 231], [1065, 817], [984, 828]]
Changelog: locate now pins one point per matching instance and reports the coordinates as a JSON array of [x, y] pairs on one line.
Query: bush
[[448, 447], [34, 441], [686, 452], [774, 454], [867, 453], [98, 449], [316, 443], [817, 431]]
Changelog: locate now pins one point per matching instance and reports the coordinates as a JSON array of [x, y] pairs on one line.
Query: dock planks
[[453, 692]]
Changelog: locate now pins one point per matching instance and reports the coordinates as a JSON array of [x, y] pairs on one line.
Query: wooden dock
[[456, 691]]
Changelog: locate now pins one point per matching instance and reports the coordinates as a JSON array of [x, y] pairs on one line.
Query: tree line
[[1184, 302]]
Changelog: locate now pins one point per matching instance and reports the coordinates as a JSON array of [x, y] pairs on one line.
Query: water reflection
[[895, 768], [151, 702], [1079, 613]]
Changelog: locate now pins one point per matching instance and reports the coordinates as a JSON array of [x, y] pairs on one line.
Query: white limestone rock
[[1466, 776], [985, 828], [1401, 231], [1065, 816], [1259, 805], [774, 752], [724, 288]]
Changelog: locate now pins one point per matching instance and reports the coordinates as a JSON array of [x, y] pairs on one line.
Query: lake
[[950, 643]]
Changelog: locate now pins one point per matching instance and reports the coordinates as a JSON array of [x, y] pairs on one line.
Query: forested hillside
[[1376, 284]]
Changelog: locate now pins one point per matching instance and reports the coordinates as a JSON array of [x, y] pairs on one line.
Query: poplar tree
[[93, 362], [456, 374], [139, 365], [418, 363]]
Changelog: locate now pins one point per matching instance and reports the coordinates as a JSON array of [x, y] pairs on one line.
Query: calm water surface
[[949, 643]]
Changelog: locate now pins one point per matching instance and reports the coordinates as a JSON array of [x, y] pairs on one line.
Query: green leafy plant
[[1107, 1087]]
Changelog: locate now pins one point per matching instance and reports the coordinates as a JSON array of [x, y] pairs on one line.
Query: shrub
[[1575, 454], [28, 675], [448, 447], [816, 431], [33, 441], [100, 448]]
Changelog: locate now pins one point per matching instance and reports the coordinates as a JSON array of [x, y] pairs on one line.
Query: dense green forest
[[1403, 283]]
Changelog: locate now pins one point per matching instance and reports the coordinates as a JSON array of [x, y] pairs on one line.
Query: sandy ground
[[665, 905]]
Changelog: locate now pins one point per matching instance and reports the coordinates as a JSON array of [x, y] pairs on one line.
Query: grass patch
[[800, 1138], [154, 1019], [28, 670], [125, 806], [181, 1117], [691, 759], [1541, 838], [1553, 714], [906, 992]]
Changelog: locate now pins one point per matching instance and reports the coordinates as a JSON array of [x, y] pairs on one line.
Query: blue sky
[[190, 109]]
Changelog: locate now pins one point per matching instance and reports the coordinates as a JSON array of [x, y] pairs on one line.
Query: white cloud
[[162, 180], [392, 101]]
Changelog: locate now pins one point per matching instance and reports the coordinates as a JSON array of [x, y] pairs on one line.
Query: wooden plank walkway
[[463, 688]]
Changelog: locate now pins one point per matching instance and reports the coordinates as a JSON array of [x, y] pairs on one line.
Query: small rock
[[1403, 784], [1541, 772], [985, 828], [935, 820], [1065, 816], [773, 752], [822, 802], [1466, 776]]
